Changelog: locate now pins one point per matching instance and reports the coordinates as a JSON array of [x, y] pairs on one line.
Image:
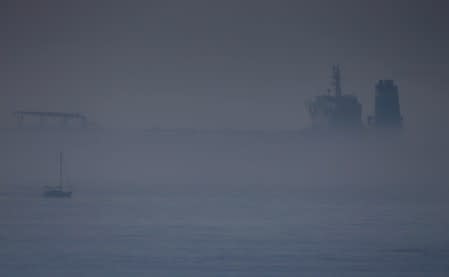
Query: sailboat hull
[[58, 192]]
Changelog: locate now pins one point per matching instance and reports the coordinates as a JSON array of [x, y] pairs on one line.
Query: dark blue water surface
[[275, 231]]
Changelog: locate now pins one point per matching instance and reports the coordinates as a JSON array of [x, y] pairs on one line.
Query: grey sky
[[219, 64]]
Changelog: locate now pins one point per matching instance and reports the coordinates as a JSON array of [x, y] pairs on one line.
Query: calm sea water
[[275, 231]]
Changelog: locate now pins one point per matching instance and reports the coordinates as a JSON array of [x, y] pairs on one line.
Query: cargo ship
[[337, 111]]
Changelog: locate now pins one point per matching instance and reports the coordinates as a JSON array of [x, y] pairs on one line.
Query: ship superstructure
[[335, 111], [387, 110]]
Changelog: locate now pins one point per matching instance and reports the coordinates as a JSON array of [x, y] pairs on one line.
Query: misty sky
[[219, 64]]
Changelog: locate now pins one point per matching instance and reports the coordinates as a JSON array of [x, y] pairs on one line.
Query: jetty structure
[[42, 119]]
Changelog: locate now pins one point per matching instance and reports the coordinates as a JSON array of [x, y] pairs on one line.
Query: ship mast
[[336, 76]]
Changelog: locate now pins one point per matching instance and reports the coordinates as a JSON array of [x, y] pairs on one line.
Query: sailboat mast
[[60, 170]]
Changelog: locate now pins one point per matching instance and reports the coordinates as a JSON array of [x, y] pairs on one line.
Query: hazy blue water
[[276, 231]]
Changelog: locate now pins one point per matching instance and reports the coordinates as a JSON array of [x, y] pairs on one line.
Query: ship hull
[[57, 194]]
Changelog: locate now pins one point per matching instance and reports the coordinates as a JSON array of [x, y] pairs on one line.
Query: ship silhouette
[[336, 111]]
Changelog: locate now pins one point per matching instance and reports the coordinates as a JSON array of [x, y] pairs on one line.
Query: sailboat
[[58, 191]]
